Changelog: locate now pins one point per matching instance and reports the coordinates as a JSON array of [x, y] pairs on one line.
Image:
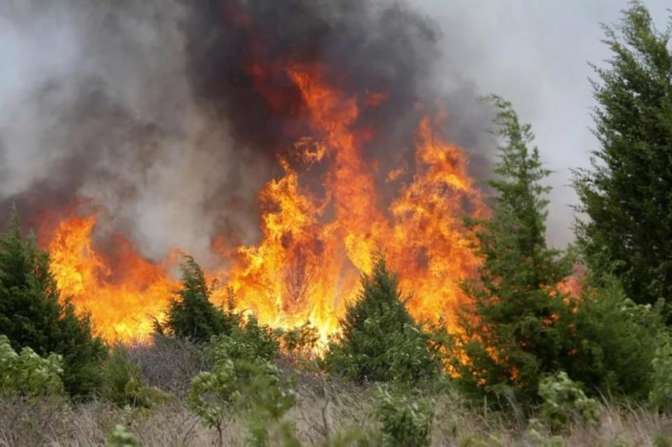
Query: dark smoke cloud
[[152, 110]]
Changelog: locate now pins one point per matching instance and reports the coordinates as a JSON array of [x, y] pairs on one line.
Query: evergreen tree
[[379, 339], [625, 196], [192, 315], [32, 314], [515, 325]]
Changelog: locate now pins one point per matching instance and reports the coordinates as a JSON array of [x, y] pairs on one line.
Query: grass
[[325, 409]]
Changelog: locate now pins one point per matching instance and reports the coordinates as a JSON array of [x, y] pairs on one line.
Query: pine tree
[[33, 315], [515, 324], [625, 196], [380, 341], [192, 315]]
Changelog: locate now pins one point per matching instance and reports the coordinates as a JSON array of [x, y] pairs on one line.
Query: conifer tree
[[514, 326], [192, 315], [33, 315], [380, 341], [625, 196]]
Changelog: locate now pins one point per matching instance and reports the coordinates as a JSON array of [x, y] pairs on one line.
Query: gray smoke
[[144, 110]]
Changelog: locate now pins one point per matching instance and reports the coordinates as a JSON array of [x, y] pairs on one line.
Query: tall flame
[[122, 300], [313, 247]]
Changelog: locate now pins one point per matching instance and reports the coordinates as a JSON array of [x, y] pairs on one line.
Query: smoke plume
[[168, 116]]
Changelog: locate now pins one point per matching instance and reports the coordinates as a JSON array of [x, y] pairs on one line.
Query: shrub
[[379, 340], [300, 341], [241, 381], [122, 383], [616, 341], [33, 315], [191, 314], [563, 402], [660, 396], [28, 374], [121, 437], [406, 422]]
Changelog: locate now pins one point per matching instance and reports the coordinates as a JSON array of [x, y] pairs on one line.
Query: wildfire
[[122, 299], [314, 247]]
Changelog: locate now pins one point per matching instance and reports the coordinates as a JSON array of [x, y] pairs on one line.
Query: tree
[[33, 315], [379, 340], [515, 324], [191, 314], [625, 196]]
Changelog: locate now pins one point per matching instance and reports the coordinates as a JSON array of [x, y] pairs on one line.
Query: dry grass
[[323, 410]]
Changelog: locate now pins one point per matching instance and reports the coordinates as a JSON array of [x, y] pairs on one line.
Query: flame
[[314, 247], [121, 301], [307, 266]]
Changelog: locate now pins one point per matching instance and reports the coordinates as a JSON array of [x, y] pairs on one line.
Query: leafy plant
[[615, 342], [121, 437], [28, 374], [405, 421], [122, 383], [563, 402], [380, 342], [242, 380], [32, 313], [660, 396]]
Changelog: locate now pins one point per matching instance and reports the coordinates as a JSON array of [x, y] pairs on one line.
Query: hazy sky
[[536, 54]]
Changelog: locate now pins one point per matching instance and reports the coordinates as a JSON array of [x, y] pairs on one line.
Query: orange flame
[[313, 248], [122, 301]]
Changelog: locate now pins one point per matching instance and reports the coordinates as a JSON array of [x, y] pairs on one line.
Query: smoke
[[167, 116]]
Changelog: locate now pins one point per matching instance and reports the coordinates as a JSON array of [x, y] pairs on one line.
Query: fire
[[307, 266], [121, 301], [314, 247]]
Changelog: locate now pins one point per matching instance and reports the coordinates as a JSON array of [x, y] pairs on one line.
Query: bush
[[33, 315], [122, 382], [121, 437], [616, 341], [660, 396], [241, 381], [380, 342], [28, 374], [192, 315], [406, 422], [300, 341], [563, 402]]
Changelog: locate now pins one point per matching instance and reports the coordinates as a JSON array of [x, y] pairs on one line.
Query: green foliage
[[28, 374], [660, 396], [123, 385], [616, 341], [515, 325], [625, 196], [300, 341], [564, 402], [380, 342], [244, 382], [192, 315], [250, 341], [32, 314], [405, 421], [121, 437]]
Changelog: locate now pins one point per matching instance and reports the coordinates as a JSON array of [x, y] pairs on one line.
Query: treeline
[[523, 343]]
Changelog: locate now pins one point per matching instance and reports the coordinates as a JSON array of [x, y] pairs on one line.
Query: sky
[[536, 54]]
